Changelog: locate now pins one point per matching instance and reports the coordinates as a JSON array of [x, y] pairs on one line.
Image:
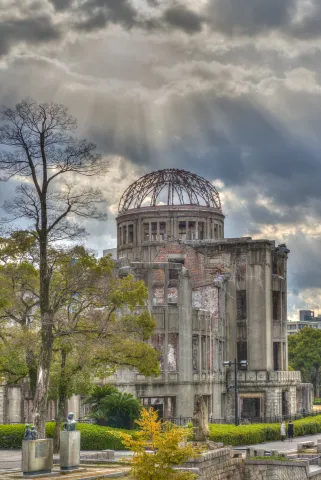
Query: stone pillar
[[258, 286], [273, 402], [14, 404], [185, 327], [37, 456], [291, 400], [69, 450]]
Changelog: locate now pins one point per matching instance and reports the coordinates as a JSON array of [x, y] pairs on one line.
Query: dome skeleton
[[179, 183]]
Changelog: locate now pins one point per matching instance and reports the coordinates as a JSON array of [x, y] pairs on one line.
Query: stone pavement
[[11, 459], [89, 473], [285, 446]]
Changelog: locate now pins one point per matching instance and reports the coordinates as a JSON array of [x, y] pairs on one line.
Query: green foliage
[[93, 437], [169, 445], [112, 408], [317, 401], [90, 339], [305, 355], [261, 432]]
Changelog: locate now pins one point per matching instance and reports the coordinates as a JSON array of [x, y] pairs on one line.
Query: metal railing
[[182, 421]]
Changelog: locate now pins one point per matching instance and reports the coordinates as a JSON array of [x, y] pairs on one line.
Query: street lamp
[[241, 363]]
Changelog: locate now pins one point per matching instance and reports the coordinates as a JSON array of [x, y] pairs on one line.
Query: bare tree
[[39, 146]]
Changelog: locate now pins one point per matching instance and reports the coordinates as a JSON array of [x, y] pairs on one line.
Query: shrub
[[261, 432], [317, 401], [93, 437], [112, 408]]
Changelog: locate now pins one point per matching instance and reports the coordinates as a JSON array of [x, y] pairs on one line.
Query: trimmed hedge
[[261, 432], [93, 437]]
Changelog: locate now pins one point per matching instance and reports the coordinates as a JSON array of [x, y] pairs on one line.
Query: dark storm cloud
[[99, 13], [249, 16], [61, 5], [304, 263], [182, 18], [34, 30]]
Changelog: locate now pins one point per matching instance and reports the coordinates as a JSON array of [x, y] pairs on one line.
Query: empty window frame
[[241, 307], [145, 232], [154, 231], [130, 233], [182, 230], [192, 230], [215, 230], [276, 307], [241, 352], [174, 273], [125, 235], [201, 230], [162, 230]]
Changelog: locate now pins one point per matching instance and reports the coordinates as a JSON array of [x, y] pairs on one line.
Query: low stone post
[[37, 455], [200, 420], [70, 445]]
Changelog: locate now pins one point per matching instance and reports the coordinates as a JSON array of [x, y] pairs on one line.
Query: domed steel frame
[[179, 183]]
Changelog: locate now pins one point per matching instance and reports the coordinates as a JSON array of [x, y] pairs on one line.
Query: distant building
[[306, 315], [296, 326]]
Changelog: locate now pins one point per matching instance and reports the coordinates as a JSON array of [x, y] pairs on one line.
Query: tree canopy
[[305, 355], [101, 321], [40, 150]]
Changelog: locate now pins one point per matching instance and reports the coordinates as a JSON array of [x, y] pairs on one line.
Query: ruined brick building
[[213, 298]]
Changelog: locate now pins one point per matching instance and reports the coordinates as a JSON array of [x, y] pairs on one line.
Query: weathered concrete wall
[[275, 470], [14, 404], [216, 465]]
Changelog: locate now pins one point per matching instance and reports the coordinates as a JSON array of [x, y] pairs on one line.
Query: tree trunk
[[62, 391], [31, 362], [317, 382], [46, 331], [41, 395]]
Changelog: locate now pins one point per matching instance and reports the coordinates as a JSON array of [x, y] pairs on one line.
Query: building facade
[[214, 299]]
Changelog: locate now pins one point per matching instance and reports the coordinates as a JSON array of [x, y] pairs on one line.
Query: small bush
[[261, 432], [317, 401], [93, 437]]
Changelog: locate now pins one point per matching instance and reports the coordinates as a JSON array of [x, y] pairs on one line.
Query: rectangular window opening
[[182, 230], [201, 230], [162, 230], [192, 230], [125, 235], [130, 233], [154, 231], [146, 232], [241, 308], [241, 353]]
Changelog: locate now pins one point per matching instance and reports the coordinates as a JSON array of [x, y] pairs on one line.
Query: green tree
[[169, 445], [39, 147], [113, 408], [90, 335], [305, 355]]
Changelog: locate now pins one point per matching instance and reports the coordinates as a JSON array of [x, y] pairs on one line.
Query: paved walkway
[[285, 446], [11, 459]]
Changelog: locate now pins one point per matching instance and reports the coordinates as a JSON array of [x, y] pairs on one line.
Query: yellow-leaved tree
[[167, 445]]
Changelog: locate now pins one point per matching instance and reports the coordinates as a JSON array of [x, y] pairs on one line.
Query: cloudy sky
[[229, 89]]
